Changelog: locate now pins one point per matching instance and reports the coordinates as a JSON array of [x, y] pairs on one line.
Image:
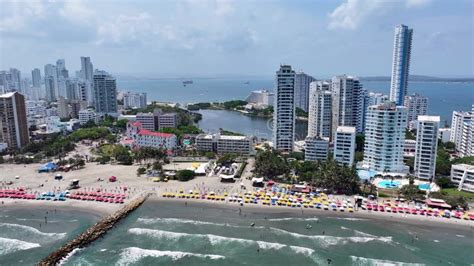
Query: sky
[[237, 37]]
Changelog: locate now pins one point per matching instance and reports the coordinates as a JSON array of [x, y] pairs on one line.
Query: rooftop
[[7, 95], [346, 129], [428, 118], [228, 137], [155, 134]]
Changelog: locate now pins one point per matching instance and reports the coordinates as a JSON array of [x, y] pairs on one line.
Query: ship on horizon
[[187, 82]]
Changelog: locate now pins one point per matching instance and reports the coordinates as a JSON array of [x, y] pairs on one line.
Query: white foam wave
[[31, 230], [349, 218], [344, 228], [188, 221], [215, 239], [302, 250], [461, 236], [8, 245], [293, 219], [134, 254], [72, 253], [436, 241], [326, 240], [379, 262]]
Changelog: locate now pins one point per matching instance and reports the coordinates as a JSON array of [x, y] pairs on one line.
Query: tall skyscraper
[[13, 122], [320, 110], [50, 89], [302, 82], [87, 74], [344, 145], [16, 79], [105, 93], [462, 132], [36, 77], [284, 114], [401, 63], [385, 138], [426, 146], [416, 105], [346, 101]]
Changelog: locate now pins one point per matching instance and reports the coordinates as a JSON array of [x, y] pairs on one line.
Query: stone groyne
[[93, 233]]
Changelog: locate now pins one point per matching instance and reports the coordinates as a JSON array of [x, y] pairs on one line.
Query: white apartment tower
[[344, 145], [36, 77], [302, 84], [385, 138], [401, 63], [346, 101], [462, 132], [416, 105], [284, 114], [426, 146], [320, 110], [316, 149], [105, 89]]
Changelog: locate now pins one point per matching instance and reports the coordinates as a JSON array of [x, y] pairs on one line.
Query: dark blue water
[[443, 97]]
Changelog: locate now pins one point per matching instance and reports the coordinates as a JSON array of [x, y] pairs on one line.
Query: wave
[[133, 254], [369, 261], [293, 219], [348, 218], [68, 256], [216, 240], [326, 240], [188, 221], [52, 221], [19, 228], [8, 245]]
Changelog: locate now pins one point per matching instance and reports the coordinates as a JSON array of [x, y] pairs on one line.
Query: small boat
[[187, 82]]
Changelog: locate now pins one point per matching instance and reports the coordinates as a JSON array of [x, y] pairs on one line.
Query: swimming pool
[[424, 186], [388, 184]]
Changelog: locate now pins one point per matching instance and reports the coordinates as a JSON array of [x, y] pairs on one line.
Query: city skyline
[[141, 39]]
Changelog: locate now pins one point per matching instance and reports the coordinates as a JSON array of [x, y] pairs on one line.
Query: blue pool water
[[424, 186], [388, 184]]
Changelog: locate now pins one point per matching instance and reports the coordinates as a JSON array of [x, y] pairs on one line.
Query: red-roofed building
[[146, 138]]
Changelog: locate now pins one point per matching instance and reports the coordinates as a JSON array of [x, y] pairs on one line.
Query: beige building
[[13, 122]]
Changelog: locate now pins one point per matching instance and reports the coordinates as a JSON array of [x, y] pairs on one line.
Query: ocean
[[443, 97], [165, 233]]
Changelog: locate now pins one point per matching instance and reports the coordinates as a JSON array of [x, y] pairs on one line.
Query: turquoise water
[[424, 186], [170, 233], [25, 238], [388, 184], [443, 97]]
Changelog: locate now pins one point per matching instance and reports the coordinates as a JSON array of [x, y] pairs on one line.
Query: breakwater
[[93, 233]]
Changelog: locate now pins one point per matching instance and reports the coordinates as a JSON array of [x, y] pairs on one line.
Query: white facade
[[347, 101], [234, 144], [146, 138], [206, 142], [444, 134], [302, 82], [416, 105], [376, 98], [344, 145], [384, 138], [409, 148], [316, 149], [462, 132], [320, 110], [401, 63], [261, 98], [463, 176], [426, 147], [105, 93], [87, 115], [134, 100], [284, 110]]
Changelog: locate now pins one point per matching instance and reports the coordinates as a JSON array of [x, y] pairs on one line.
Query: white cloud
[[75, 11], [352, 13], [126, 28], [15, 15], [224, 7]]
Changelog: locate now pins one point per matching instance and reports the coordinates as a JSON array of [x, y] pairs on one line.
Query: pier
[[93, 233]]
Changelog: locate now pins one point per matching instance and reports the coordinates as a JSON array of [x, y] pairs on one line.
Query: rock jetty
[[93, 233]]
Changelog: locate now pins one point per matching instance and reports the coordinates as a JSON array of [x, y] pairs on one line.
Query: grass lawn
[[454, 192]]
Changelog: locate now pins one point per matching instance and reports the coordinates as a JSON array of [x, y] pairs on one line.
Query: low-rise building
[[87, 115], [167, 120], [316, 149], [234, 144], [146, 138], [206, 142], [463, 176], [444, 134], [147, 120]]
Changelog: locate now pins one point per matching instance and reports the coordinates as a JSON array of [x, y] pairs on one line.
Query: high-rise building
[[347, 101], [63, 107], [36, 77], [105, 100], [284, 114], [50, 89], [134, 100], [376, 98], [87, 75], [302, 82], [316, 149], [416, 105], [401, 63], [362, 106], [16, 79], [344, 145], [320, 110], [385, 138], [426, 146], [13, 122], [462, 132], [61, 68]]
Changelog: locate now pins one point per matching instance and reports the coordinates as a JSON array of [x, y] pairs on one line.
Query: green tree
[[185, 175], [269, 164], [444, 182], [411, 192], [141, 171], [226, 159], [121, 123]]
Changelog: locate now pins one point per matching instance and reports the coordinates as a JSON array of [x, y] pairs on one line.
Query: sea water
[[165, 233]]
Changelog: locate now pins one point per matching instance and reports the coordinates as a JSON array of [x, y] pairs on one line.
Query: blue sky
[[226, 37]]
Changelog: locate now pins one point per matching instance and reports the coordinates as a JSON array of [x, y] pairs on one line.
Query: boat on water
[[187, 82], [247, 82]]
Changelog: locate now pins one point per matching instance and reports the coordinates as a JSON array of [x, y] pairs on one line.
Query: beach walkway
[[93, 233]]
